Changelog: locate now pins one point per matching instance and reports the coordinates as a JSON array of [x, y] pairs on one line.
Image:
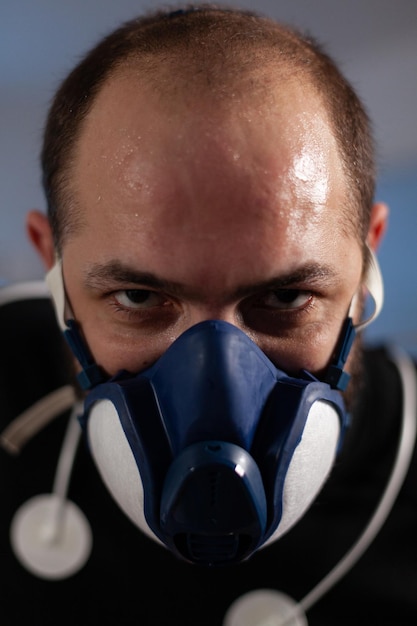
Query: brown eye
[[287, 299], [138, 298]]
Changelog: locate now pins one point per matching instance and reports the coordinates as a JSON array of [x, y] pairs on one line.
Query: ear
[[39, 232], [377, 225]]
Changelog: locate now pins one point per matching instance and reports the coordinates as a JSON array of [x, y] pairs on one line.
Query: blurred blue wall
[[374, 41], [398, 258]]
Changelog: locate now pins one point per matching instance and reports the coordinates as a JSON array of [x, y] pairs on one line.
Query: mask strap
[[374, 285], [55, 282], [90, 374], [335, 376]]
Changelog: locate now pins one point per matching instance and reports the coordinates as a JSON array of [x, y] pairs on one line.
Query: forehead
[[179, 169], [276, 124]]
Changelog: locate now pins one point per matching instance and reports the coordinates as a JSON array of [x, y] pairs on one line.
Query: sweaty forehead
[[209, 186], [128, 112], [131, 105], [176, 90], [184, 154]]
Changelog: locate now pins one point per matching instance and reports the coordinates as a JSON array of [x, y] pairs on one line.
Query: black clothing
[[129, 579]]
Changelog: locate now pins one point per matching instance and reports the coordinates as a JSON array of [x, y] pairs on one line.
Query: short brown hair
[[208, 38]]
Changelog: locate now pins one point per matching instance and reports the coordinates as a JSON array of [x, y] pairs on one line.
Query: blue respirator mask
[[213, 451]]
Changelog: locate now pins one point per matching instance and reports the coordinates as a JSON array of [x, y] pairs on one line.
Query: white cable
[[32, 420], [404, 454], [63, 474], [23, 291], [49, 534]]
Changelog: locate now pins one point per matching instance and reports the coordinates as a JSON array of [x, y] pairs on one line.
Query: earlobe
[[39, 232], [377, 225]]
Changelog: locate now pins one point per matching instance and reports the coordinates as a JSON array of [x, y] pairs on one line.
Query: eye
[[139, 298], [286, 299]]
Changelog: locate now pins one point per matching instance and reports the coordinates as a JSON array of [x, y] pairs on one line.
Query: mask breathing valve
[[214, 486]]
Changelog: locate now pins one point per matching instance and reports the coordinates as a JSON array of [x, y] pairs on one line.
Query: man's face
[[193, 210]]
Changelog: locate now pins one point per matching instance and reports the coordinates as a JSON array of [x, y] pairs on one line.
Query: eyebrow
[[115, 274]]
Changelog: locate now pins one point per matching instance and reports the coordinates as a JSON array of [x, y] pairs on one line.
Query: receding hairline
[[215, 61]]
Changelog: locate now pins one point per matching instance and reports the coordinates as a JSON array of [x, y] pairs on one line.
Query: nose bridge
[[210, 311]]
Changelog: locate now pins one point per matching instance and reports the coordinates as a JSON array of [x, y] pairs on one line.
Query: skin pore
[[194, 210]]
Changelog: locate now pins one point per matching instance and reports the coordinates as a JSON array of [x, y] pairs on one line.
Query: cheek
[[313, 351], [124, 351]]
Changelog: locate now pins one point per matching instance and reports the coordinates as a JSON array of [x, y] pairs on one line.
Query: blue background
[[374, 41]]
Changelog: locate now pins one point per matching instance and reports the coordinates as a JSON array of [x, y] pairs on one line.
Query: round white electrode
[[265, 607], [51, 537]]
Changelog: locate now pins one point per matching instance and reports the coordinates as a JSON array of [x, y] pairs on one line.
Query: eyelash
[[148, 293], [258, 301], [282, 317], [135, 314], [294, 294]]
